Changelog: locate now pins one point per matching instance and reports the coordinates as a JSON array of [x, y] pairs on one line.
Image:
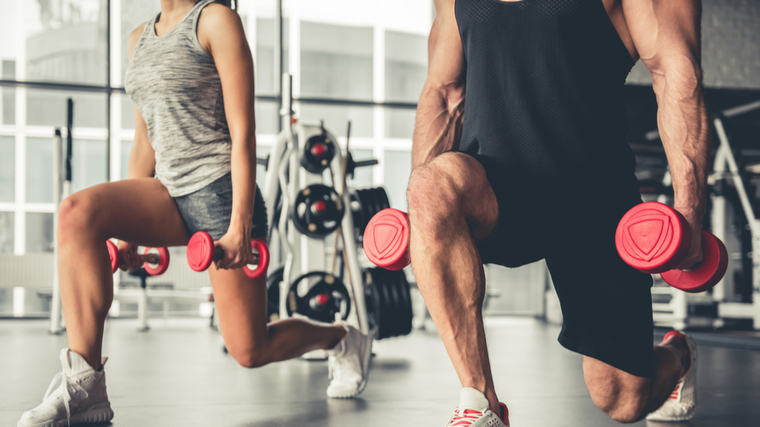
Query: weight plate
[[317, 211], [317, 154], [325, 297]]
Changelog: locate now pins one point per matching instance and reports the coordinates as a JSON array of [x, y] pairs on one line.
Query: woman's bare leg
[[242, 306], [139, 211]]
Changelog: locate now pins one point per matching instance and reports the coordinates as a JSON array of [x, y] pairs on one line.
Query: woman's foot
[[80, 397], [349, 364]]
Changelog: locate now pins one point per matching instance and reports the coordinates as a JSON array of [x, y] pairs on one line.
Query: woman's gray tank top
[[175, 85]]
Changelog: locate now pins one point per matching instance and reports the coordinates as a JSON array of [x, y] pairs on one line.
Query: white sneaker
[[473, 411], [80, 398], [682, 402], [349, 364]]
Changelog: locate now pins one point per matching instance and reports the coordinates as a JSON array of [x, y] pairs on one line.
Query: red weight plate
[[163, 261], [113, 252], [652, 237], [200, 251], [261, 268], [386, 239], [708, 273]]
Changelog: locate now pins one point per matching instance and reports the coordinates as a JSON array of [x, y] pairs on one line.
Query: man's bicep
[[665, 31], [445, 53]]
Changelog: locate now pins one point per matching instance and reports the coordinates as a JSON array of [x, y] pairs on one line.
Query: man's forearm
[[684, 130], [440, 115]]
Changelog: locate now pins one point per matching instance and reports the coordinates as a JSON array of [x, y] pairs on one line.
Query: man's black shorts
[[606, 304]]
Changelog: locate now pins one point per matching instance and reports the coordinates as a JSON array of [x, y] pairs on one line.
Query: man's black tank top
[[544, 106]]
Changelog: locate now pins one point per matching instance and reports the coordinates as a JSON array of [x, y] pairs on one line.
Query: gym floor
[[177, 375]]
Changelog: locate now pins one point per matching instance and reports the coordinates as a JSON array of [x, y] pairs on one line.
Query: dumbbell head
[[201, 253], [652, 237], [113, 253], [161, 266], [705, 275], [386, 239]]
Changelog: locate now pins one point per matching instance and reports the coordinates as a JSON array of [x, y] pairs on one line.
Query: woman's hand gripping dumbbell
[[155, 261], [655, 238], [201, 252]]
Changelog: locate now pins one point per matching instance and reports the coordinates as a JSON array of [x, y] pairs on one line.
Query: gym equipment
[[325, 297], [386, 239], [366, 203], [201, 251], [155, 260], [273, 294], [389, 302], [317, 211], [318, 152], [726, 170], [654, 238], [61, 190]]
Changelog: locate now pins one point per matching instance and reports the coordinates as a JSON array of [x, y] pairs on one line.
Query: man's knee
[[622, 396], [437, 189], [431, 190]]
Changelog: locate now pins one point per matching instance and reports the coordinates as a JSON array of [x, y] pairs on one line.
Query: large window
[[356, 56]]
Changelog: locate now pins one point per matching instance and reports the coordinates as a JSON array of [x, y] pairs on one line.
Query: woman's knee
[[250, 357], [77, 215]]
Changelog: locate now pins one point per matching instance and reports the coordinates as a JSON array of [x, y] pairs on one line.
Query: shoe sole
[[367, 356], [98, 414]]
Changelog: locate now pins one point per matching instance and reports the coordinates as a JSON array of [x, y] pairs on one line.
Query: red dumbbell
[[654, 238], [386, 239], [155, 260], [201, 251]]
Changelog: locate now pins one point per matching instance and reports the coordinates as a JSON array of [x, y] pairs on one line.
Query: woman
[[191, 78]]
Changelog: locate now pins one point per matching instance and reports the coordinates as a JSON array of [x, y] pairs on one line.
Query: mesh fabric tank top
[[544, 104], [176, 87]]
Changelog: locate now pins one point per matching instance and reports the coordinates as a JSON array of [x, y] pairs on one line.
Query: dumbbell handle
[[219, 254], [149, 258]]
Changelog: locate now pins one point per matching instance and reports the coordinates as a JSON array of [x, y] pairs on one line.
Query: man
[[520, 154]]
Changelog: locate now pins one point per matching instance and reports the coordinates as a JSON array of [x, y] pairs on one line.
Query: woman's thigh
[[139, 211]]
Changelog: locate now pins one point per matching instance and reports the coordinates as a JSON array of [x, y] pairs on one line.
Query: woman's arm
[[220, 32], [142, 158]]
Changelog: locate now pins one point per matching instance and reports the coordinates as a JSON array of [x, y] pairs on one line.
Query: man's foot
[[349, 364], [80, 398], [682, 402], [473, 411]]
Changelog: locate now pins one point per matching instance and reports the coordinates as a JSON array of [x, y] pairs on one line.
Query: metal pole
[[55, 301]]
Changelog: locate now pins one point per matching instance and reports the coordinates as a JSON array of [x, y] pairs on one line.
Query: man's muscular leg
[[627, 398], [452, 205]]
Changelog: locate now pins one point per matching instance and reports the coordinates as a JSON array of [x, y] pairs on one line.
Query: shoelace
[[464, 417], [65, 382]]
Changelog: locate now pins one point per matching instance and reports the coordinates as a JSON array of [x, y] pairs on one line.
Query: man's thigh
[[606, 304]]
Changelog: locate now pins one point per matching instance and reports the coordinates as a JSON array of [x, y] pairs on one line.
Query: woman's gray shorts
[[210, 209]]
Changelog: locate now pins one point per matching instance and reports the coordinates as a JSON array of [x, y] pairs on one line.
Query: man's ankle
[[678, 345]]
